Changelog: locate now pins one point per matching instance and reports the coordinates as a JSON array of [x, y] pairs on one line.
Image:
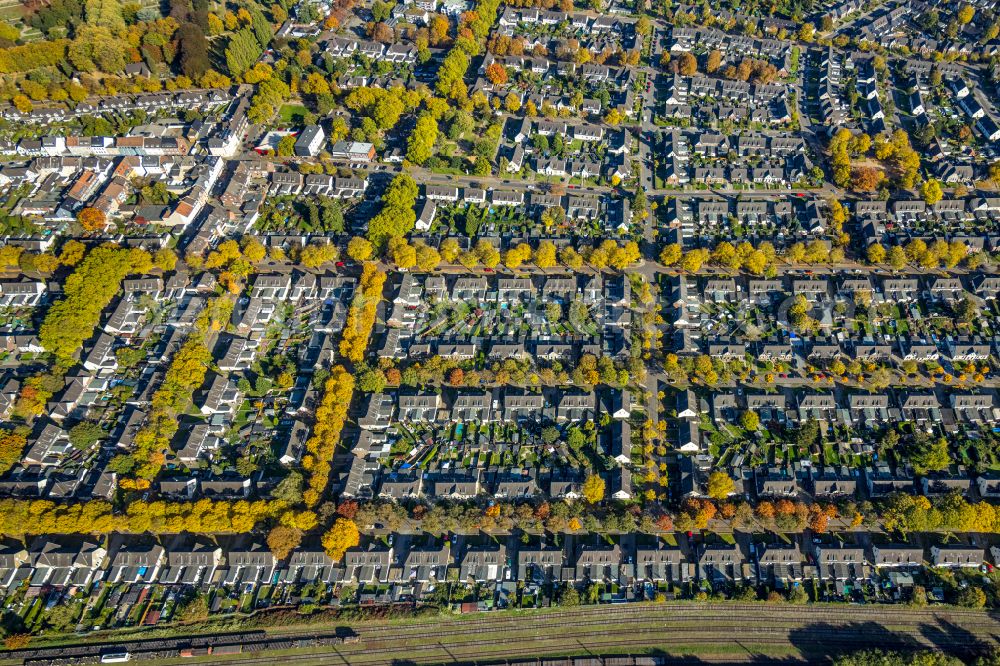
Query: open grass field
[[682, 632], [292, 113]]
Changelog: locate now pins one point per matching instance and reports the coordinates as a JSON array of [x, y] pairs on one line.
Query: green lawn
[[448, 171], [292, 113]]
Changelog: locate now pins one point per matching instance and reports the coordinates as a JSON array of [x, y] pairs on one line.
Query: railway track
[[751, 629], [88, 649], [764, 625], [477, 651], [768, 627], [471, 637], [756, 613]]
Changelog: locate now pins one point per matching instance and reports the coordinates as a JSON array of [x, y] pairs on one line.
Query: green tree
[[372, 381], [86, 293], [192, 47], [129, 357], [289, 489], [262, 29], [242, 52], [971, 597], [422, 139], [397, 217], [883, 658], [749, 420], [85, 434], [570, 596], [966, 310], [550, 435], [451, 73], [286, 146], [553, 312], [798, 595], [929, 455]]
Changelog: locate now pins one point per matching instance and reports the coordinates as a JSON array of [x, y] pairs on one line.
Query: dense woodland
[[87, 45]]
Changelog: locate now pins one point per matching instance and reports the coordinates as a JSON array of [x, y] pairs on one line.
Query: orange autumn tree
[[497, 74], [866, 178], [92, 219]]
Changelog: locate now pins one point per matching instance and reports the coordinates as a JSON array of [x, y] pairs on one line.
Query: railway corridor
[[720, 632]]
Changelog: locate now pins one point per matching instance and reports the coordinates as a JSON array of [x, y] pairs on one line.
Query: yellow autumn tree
[[593, 489], [341, 536]]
